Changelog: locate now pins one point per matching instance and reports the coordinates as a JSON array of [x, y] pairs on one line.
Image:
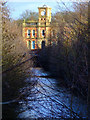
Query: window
[[32, 23], [43, 44], [33, 33], [28, 33], [33, 44], [28, 44], [43, 32]]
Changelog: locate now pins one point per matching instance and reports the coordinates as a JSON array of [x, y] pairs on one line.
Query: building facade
[[37, 33]]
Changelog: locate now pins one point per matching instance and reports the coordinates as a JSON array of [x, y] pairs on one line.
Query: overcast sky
[[17, 7], [36, 0], [45, 0]]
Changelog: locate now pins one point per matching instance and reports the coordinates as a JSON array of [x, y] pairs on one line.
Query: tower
[[44, 23], [44, 14]]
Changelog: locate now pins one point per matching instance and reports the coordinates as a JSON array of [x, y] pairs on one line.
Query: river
[[44, 98]]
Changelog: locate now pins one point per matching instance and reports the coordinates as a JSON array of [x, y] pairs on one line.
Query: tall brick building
[[37, 33]]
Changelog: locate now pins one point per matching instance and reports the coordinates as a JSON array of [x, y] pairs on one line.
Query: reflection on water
[[43, 99]]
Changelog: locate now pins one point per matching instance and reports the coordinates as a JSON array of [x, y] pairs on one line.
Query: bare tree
[[14, 51]]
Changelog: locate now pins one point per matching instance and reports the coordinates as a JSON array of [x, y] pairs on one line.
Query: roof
[[44, 6]]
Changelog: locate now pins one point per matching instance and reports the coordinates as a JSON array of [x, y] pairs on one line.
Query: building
[[37, 33]]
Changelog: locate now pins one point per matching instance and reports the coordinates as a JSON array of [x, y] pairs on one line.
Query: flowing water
[[44, 98]]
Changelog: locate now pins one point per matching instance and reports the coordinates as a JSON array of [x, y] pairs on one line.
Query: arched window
[[43, 44], [33, 44], [43, 32], [33, 33], [28, 33]]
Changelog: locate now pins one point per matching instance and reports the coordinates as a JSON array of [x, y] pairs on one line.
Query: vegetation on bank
[[67, 56], [14, 51]]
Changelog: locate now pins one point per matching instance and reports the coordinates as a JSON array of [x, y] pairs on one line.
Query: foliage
[[67, 58], [29, 15]]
